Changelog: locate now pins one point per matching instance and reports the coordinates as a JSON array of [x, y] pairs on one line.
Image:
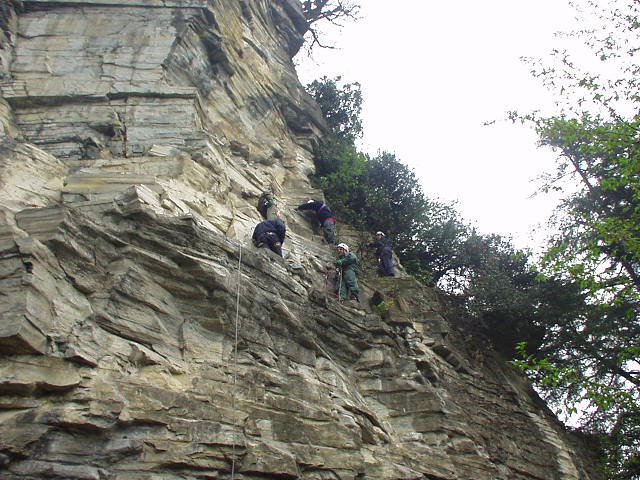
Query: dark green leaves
[[596, 247]]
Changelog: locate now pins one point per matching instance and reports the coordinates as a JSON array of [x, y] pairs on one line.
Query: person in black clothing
[[270, 234], [324, 217], [384, 253]]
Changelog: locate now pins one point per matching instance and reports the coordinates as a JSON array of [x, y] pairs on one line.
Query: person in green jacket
[[346, 285]]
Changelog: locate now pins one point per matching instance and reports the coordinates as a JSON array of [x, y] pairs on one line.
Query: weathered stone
[[265, 459], [29, 176], [37, 469], [29, 375]]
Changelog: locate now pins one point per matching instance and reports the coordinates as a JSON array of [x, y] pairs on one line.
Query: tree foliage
[[598, 247], [592, 358], [435, 250], [336, 156], [341, 105], [600, 223], [509, 296], [394, 200]]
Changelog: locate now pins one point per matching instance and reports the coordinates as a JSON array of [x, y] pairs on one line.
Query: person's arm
[[348, 259], [309, 206]]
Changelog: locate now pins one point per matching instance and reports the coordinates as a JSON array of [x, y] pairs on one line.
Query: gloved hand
[[338, 263]]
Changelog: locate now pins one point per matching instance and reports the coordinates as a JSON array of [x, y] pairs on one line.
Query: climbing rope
[[235, 367]]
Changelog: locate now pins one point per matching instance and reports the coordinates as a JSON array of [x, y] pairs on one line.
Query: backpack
[[264, 202]]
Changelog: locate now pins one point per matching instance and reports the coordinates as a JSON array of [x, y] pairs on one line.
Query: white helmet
[[381, 234], [343, 246]]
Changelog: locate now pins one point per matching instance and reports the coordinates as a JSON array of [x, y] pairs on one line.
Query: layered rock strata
[[144, 337]]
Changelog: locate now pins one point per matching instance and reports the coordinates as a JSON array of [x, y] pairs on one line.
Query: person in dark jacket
[[324, 218], [384, 253], [346, 285], [270, 234]]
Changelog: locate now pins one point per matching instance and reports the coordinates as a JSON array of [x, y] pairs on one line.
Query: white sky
[[431, 73]]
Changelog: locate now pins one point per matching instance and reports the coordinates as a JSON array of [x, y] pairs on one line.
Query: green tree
[[435, 250], [344, 186], [598, 247], [341, 106], [339, 165], [592, 358], [394, 198], [600, 223], [507, 294]]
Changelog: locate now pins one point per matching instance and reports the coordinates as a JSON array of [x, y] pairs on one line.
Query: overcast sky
[[432, 73]]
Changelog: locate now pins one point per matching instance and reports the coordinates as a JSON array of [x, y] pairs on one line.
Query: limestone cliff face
[[143, 336]]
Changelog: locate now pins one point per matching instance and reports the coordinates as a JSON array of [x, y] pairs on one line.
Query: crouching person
[[346, 285], [270, 234]]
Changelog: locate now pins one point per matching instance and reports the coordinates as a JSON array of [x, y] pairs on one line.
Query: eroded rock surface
[[144, 337]]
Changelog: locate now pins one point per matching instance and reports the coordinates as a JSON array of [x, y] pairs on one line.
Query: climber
[[384, 253], [270, 234], [346, 285], [267, 206], [324, 218]]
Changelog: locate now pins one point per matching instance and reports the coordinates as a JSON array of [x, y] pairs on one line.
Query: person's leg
[[273, 213], [271, 241], [351, 282], [381, 272], [387, 267], [277, 248], [329, 232]]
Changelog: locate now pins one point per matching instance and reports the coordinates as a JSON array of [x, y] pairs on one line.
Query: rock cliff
[[144, 337]]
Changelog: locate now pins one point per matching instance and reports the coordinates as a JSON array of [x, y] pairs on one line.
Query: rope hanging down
[[235, 367]]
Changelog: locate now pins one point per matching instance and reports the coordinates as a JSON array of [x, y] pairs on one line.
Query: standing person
[[324, 218], [267, 206], [384, 253], [346, 279], [270, 234]]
